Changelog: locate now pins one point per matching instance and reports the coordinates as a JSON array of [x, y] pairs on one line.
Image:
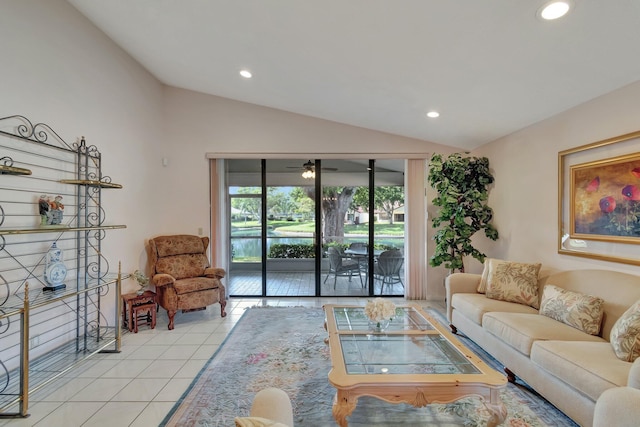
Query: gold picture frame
[[599, 200]]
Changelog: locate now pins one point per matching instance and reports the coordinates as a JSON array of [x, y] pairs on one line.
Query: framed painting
[[599, 200]]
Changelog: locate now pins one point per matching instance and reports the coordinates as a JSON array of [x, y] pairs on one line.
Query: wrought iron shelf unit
[[45, 333], [90, 183], [14, 304], [11, 170], [56, 230]]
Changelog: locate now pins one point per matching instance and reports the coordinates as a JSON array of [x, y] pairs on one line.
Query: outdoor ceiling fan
[[309, 169]]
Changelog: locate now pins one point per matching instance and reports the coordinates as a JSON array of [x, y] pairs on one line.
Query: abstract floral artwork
[[605, 199], [599, 200]]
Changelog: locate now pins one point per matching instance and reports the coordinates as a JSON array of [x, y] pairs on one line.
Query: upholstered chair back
[[181, 256]]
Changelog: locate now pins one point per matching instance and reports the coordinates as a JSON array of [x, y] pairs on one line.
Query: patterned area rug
[[284, 347]]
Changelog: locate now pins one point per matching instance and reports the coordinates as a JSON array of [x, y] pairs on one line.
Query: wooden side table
[[129, 301]]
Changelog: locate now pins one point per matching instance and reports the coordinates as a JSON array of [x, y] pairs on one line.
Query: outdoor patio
[[296, 283]]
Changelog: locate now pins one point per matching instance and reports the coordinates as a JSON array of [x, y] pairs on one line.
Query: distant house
[[398, 214]]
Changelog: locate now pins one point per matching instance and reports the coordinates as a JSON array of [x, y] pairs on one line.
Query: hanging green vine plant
[[462, 184]]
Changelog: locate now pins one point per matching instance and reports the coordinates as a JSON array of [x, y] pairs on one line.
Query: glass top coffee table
[[415, 360]]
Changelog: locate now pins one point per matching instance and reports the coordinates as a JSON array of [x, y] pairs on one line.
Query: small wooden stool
[[132, 300], [145, 313]]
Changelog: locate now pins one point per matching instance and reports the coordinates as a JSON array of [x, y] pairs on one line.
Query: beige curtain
[[416, 229], [219, 237]]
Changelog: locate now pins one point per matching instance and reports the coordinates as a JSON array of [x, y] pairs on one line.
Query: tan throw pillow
[[482, 286], [578, 310], [513, 281], [625, 334]]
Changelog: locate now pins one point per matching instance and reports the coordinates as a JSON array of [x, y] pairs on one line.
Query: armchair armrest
[[163, 279], [215, 272], [460, 283]]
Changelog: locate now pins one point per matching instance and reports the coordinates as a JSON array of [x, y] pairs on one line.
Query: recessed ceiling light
[[246, 74], [554, 10], [433, 114]]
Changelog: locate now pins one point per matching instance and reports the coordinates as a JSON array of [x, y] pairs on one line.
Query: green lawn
[[396, 229]]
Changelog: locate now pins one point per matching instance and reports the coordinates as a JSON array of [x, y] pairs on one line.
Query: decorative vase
[[54, 269], [379, 325]]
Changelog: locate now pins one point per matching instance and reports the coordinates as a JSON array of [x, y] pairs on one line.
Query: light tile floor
[[140, 385]]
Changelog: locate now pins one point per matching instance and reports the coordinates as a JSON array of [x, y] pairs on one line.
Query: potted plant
[[462, 184], [142, 280]]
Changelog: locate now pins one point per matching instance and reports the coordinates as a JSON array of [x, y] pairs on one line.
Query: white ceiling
[[490, 67]]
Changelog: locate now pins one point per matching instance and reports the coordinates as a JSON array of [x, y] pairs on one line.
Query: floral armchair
[[183, 278]]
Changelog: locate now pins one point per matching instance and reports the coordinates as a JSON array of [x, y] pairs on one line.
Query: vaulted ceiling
[[488, 67]]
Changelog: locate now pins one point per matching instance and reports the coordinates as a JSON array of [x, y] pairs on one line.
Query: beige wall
[[57, 68], [197, 124], [524, 198]]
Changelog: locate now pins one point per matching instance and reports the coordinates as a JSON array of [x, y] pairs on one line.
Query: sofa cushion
[[589, 367], [474, 306], [521, 330], [513, 282], [575, 309], [625, 334]]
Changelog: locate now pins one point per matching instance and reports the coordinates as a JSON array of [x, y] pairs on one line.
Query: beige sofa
[[568, 367]]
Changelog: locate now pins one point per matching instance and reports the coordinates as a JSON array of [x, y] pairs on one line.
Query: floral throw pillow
[[513, 281], [578, 310], [625, 334]]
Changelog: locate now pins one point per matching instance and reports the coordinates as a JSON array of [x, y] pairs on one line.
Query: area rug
[[284, 347]]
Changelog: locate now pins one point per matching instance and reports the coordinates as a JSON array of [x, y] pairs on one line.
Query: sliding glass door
[[290, 224], [345, 227], [246, 227], [303, 227]]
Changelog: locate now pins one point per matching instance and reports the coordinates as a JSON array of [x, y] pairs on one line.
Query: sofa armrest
[[163, 279], [617, 407], [463, 283], [634, 375], [257, 422], [215, 272]]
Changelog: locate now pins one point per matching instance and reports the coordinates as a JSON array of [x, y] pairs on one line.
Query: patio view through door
[[301, 227]]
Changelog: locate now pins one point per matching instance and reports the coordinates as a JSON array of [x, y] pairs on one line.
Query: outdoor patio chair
[[339, 266], [388, 267], [359, 252]]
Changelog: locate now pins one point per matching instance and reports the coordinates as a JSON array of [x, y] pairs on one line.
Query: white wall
[[57, 68], [525, 195]]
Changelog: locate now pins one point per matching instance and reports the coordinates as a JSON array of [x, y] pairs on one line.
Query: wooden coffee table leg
[[497, 409], [343, 406]]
